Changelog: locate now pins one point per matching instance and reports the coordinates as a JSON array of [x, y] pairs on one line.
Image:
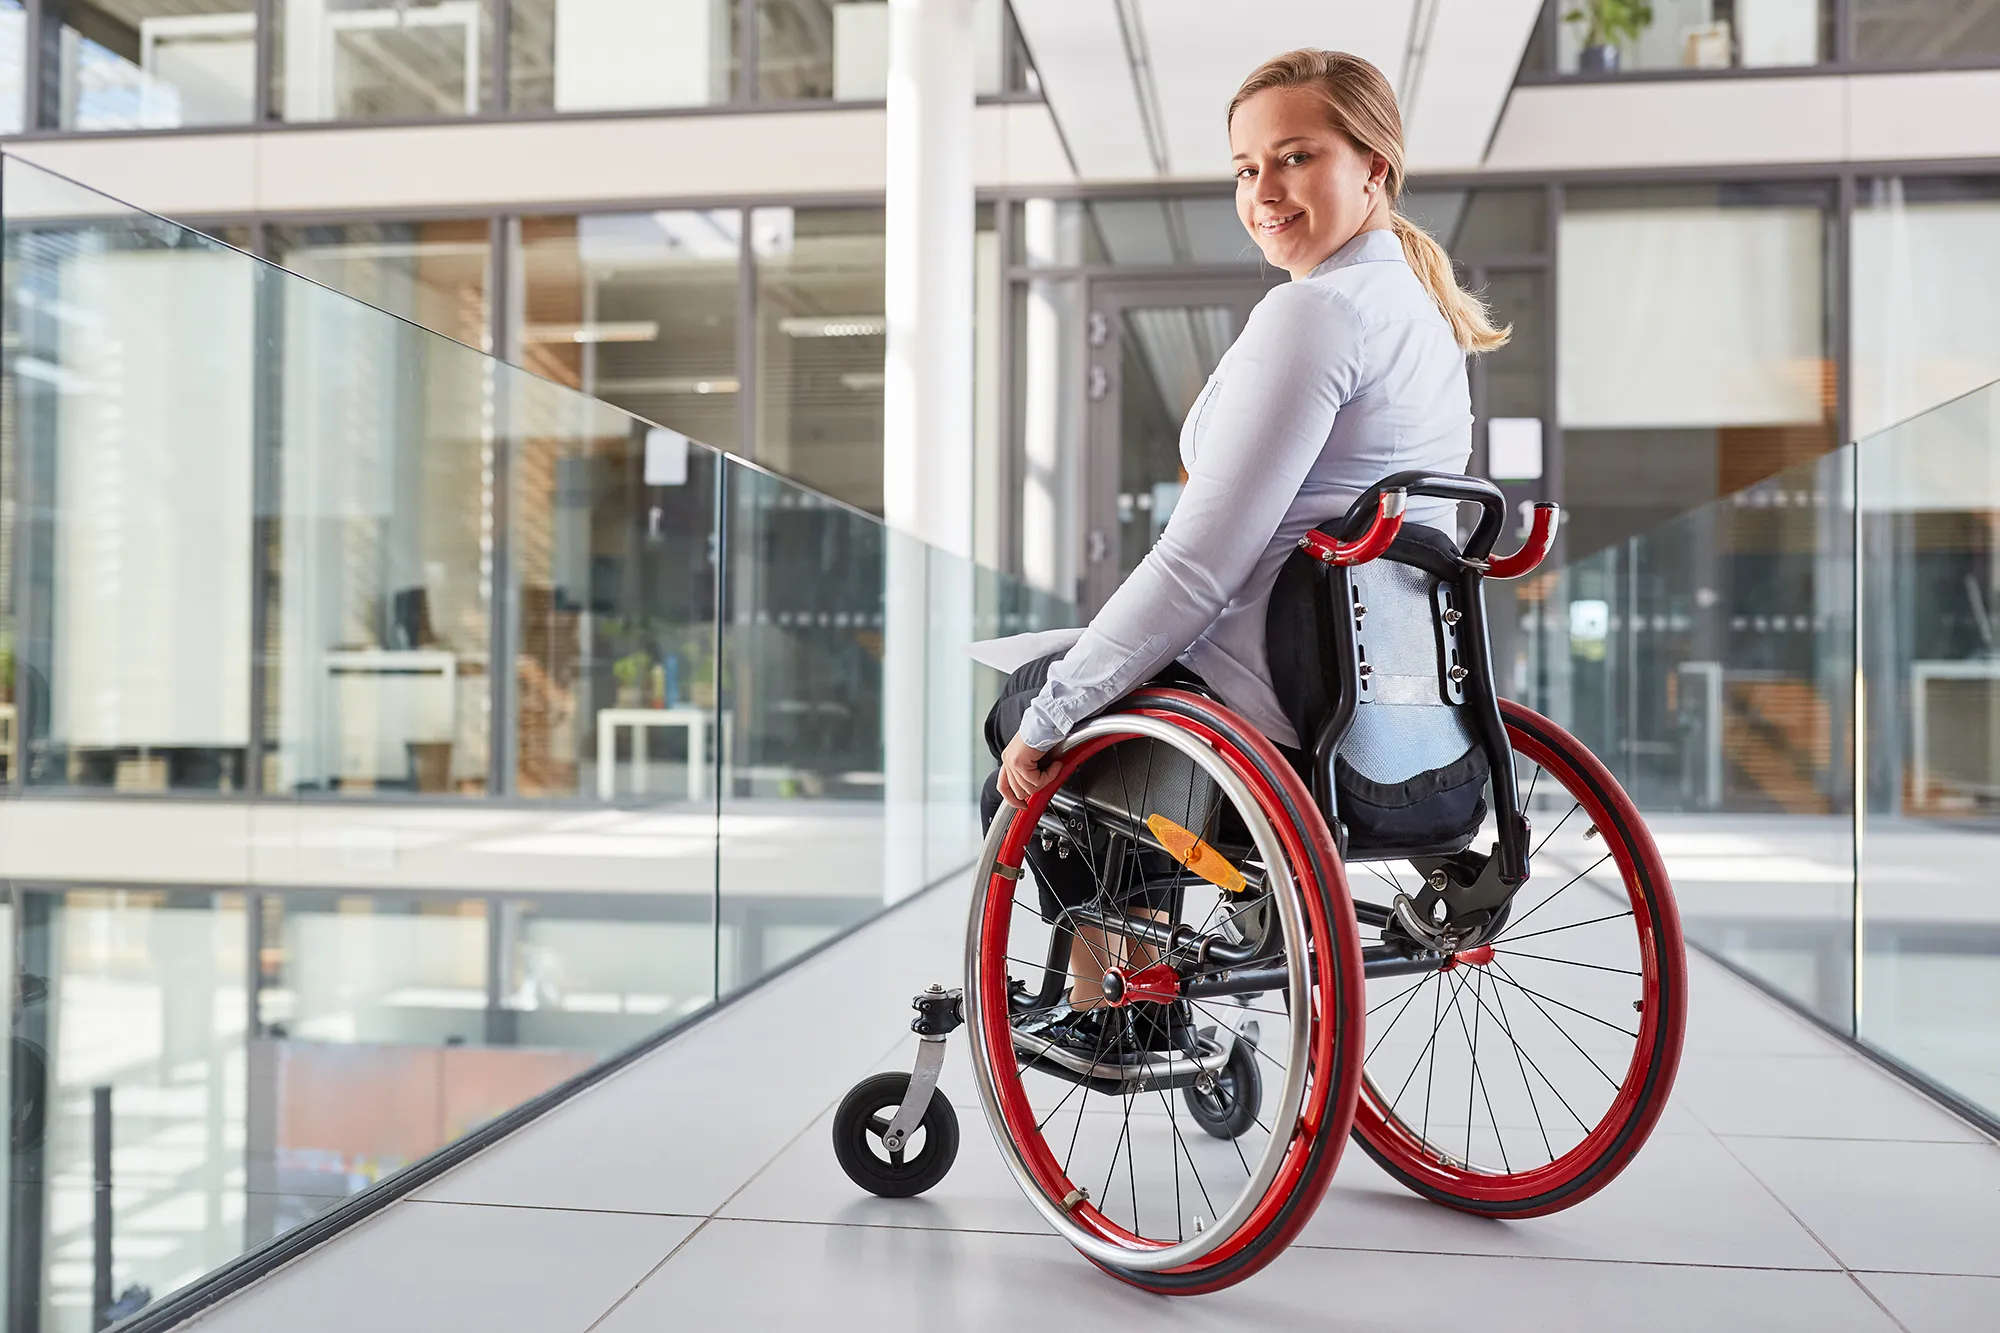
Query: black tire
[[858, 1125], [1230, 1110]]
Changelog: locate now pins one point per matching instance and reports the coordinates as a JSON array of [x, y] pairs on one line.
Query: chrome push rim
[[1285, 1123]]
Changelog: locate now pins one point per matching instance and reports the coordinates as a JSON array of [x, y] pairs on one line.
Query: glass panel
[[598, 974], [1606, 36], [13, 64], [821, 337], [1708, 662], [1925, 32], [381, 543], [141, 999], [1132, 233], [157, 64], [608, 55], [430, 273], [638, 309], [132, 423], [1931, 562], [1925, 270], [364, 59], [1166, 354], [805, 651], [614, 527], [818, 49], [1693, 357]]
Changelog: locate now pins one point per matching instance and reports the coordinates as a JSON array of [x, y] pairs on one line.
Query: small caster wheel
[[864, 1116], [1228, 1105]]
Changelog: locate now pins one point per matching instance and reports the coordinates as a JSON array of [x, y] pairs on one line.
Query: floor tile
[[840, 1277], [1900, 1207], [422, 1267], [1929, 1304], [1838, 1095], [1683, 1199]]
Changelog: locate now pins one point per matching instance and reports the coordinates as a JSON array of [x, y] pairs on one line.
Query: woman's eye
[[1245, 173], [1294, 159]]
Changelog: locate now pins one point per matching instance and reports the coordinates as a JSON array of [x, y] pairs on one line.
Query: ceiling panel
[[1461, 56]]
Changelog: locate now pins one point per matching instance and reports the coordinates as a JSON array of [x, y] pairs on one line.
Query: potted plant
[[1607, 25], [630, 671]]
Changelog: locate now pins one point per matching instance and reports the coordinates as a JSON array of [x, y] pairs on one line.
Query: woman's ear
[[1378, 172]]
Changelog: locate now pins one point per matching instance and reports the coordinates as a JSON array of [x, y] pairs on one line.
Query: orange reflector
[[1195, 854]]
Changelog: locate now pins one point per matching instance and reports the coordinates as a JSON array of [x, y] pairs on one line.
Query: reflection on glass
[[804, 827], [430, 273], [1708, 663], [599, 974], [1602, 38], [133, 418], [1920, 247], [1132, 233], [157, 64], [362, 59], [638, 309], [1931, 566], [140, 994], [606, 55], [1925, 32], [1693, 357], [382, 549], [616, 656], [821, 337]]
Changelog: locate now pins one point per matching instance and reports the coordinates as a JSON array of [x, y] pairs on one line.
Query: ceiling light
[[835, 326], [604, 331]]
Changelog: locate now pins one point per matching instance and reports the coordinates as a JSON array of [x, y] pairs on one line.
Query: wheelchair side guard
[[940, 1012]]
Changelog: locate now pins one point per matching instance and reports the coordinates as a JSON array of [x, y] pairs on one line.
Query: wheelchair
[[1477, 972]]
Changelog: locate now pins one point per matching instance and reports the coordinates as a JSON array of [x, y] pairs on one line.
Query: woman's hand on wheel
[[1021, 774]]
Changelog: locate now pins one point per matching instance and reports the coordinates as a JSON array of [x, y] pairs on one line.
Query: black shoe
[[1096, 1034], [1163, 1027]]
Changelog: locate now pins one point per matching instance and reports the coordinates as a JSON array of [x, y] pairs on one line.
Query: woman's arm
[[1298, 360]]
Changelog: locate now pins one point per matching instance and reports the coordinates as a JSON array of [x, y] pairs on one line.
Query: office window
[[1693, 34], [639, 309], [1135, 233], [815, 50], [157, 64], [605, 55], [380, 544], [131, 409], [1925, 32], [368, 59], [1692, 347], [821, 338], [1926, 280]]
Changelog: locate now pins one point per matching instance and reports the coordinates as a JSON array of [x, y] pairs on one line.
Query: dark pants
[[1065, 881]]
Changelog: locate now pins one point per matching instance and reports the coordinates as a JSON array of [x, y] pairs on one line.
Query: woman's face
[[1303, 188]]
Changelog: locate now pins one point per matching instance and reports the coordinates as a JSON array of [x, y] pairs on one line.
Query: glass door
[[1153, 345]]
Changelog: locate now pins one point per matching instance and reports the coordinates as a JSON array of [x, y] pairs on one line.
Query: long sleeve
[[1297, 362]]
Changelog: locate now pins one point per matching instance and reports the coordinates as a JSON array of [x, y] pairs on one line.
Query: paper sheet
[[1017, 650]]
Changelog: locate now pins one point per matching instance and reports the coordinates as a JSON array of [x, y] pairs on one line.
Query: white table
[[610, 721]]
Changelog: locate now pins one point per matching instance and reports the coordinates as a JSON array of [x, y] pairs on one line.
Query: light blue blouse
[[1338, 380]]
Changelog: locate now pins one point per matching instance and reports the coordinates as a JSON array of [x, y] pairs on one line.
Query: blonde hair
[[1361, 105]]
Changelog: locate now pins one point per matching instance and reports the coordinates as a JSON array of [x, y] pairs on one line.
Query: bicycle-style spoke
[[1552, 897]]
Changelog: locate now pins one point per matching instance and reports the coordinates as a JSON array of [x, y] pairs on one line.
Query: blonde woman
[[1353, 370]]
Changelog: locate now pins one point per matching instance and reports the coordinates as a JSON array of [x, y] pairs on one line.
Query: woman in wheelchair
[[1297, 680]]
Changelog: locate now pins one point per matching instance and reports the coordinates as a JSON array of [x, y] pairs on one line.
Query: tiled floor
[[1792, 1185]]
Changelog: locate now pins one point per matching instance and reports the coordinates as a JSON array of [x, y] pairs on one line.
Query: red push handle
[[1380, 535], [1541, 539]]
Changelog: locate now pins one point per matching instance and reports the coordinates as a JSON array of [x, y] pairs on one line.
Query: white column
[[927, 403]]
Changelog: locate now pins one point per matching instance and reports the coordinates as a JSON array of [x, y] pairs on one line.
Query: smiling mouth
[[1272, 226]]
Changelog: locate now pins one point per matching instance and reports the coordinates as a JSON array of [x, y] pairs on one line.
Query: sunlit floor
[[1791, 1185]]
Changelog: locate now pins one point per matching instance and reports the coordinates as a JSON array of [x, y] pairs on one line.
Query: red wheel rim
[[1642, 1094], [1317, 1112]]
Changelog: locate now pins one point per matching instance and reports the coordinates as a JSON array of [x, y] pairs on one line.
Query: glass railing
[[392, 734], [1711, 663]]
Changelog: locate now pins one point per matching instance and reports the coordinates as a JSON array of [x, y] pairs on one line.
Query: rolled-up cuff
[[1039, 728]]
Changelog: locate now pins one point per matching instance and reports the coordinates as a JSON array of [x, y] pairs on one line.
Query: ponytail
[[1361, 105], [1471, 323]]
